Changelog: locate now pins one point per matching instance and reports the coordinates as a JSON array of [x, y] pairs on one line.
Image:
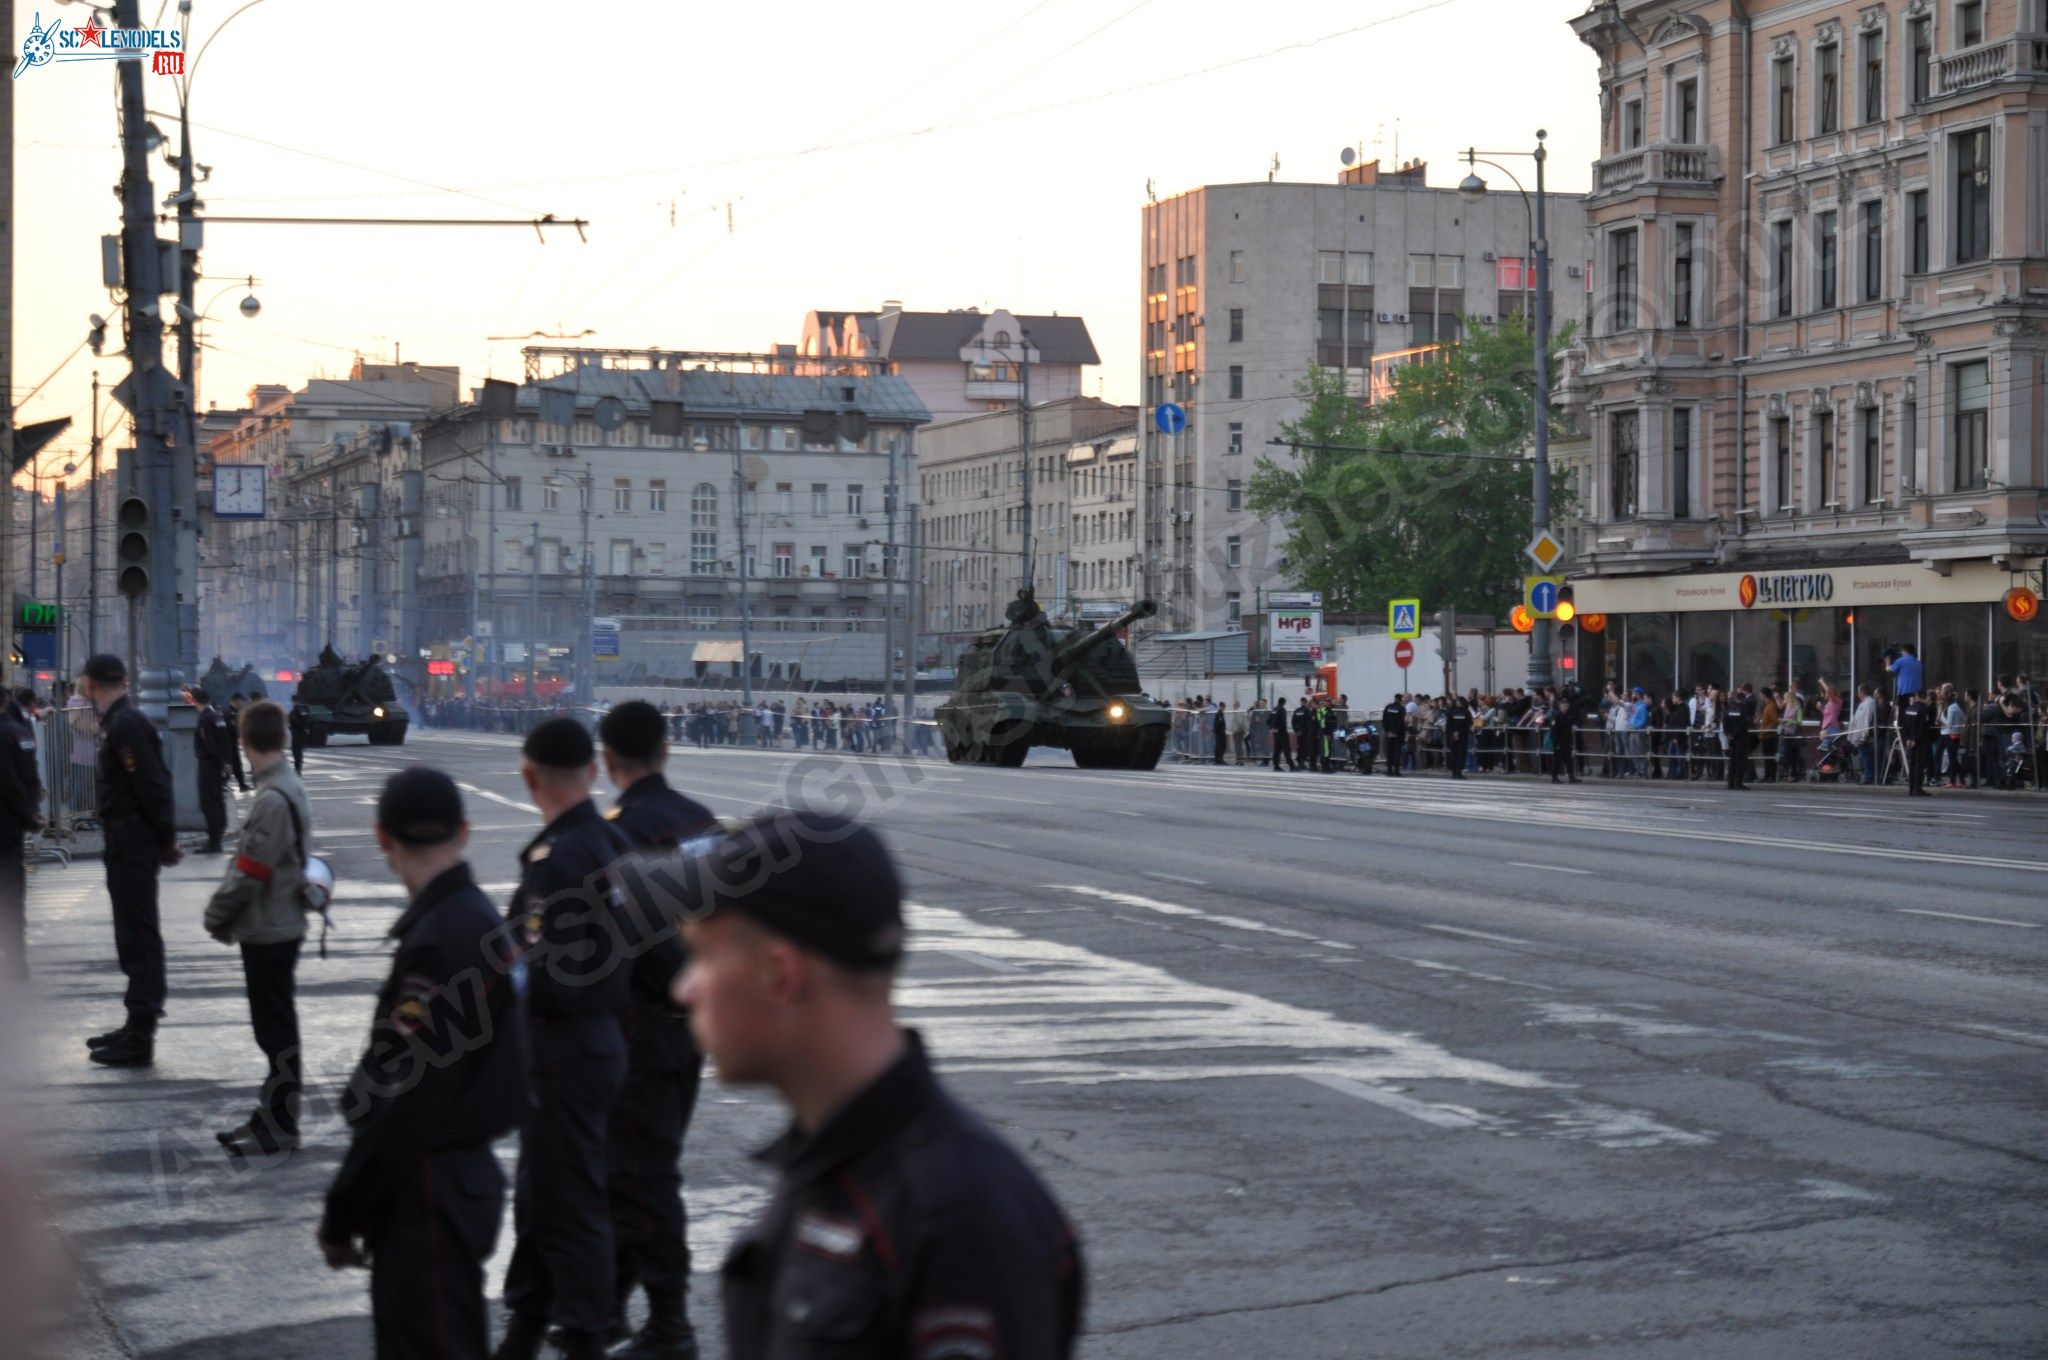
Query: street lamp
[[1473, 189], [981, 370], [701, 443]]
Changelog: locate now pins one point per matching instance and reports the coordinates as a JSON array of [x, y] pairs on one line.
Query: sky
[[740, 165]]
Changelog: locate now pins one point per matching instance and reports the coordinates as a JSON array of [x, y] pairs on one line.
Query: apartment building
[[971, 521], [961, 362], [1814, 372], [1246, 286]]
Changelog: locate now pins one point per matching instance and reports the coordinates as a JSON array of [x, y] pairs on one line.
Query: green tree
[[1406, 518]]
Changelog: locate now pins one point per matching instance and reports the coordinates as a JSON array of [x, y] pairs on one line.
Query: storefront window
[[1955, 645], [1760, 643], [1820, 649], [1651, 649], [1596, 658], [1879, 627], [2018, 648], [1703, 647]]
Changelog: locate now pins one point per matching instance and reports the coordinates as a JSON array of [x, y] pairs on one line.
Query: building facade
[[1813, 376], [971, 522], [964, 362], [1246, 286]]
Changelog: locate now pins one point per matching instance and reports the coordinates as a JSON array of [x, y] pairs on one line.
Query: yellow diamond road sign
[[1544, 550]]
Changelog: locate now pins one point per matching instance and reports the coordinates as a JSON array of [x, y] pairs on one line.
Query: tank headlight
[[376, 712], [1116, 712]]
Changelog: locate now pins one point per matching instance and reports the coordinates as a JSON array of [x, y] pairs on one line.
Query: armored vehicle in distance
[[342, 696]]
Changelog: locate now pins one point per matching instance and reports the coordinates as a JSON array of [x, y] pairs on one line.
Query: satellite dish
[[609, 413], [1347, 155]]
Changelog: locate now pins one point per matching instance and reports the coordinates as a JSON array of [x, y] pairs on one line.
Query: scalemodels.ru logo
[[165, 47]]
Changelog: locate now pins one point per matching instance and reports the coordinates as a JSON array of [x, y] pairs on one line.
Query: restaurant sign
[[1836, 587]]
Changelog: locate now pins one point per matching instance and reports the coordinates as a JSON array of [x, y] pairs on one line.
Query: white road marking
[[500, 798], [1177, 878], [1212, 918], [1443, 1116], [1475, 934], [1980, 920], [1553, 868], [2017, 1035], [984, 961], [1300, 836]]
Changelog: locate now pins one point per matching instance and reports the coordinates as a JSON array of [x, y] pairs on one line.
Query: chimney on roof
[[890, 306], [1367, 174]]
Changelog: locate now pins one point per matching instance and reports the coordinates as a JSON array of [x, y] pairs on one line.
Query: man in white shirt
[[1863, 733]]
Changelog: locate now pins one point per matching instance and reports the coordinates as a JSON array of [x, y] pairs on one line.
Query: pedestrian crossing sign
[[1404, 618]]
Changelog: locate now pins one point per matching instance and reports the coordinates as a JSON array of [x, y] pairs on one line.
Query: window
[[1781, 269], [1358, 268], [1233, 551], [1681, 463], [821, 560], [1970, 386], [622, 494], [1622, 469], [1873, 456], [550, 494], [1873, 77], [1920, 36], [657, 559], [785, 498], [1828, 92], [1237, 382], [1681, 276], [1916, 211], [583, 492], [1970, 154], [1508, 276], [1233, 494], [1781, 460], [551, 556], [1422, 271], [1624, 247], [1825, 271], [514, 493], [657, 495], [1782, 101], [1631, 125], [785, 561], [1970, 22], [622, 557], [1824, 450], [1237, 266], [821, 500], [1236, 324], [704, 530], [855, 498], [856, 562], [512, 556], [1330, 266], [1233, 437], [1686, 124], [1873, 251], [1233, 608], [1909, 442]]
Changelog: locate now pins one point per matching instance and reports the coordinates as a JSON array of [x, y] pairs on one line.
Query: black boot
[[102, 1040], [578, 1345], [132, 1049], [667, 1335], [523, 1335]]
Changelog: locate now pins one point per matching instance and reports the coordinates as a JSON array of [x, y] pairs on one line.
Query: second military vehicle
[[1032, 684], [351, 697]]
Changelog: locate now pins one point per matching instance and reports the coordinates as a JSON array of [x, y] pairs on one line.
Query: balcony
[[1663, 166], [2023, 57]]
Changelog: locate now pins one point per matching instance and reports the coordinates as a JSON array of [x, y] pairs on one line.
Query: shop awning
[[718, 653]]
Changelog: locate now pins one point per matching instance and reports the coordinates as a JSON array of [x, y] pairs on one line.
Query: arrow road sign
[[1170, 419]]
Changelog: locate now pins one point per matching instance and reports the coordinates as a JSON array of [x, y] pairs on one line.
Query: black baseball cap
[[821, 881], [635, 730], [420, 806], [559, 744], [105, 669]]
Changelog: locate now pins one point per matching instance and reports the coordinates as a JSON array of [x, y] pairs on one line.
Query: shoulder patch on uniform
[[128, 758], [415, 991], [830, 1237], [611, 814], [953, 1333], [539, 852]]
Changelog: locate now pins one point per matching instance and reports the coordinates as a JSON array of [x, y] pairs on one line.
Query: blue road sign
[[1170, 419], [1543, 598], [604, 643]]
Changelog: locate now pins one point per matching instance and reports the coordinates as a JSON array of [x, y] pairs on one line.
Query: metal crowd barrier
[[67, 756]]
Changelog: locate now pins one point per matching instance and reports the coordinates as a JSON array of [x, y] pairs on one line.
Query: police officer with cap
[[21, 812], [901, 1225], [1394, 733], [141, 838], [218, 753], [568, 917], [644, 1147], [419, 1194]]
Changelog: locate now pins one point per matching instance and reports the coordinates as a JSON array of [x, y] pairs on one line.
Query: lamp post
[[702, 444], [1472, 190], [982, 370]]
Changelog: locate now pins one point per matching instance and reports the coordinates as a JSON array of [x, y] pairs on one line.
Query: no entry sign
[[1404, 652]]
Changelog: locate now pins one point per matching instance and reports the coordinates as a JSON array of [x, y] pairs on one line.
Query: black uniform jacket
[[135, 784], [1916, 721], [213, 742], [904, 1228], [446, 1063], [656, 817], [569, 918], [21, 783], [1394, 722]]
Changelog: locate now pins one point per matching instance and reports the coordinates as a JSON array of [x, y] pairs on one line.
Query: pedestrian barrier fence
[[67, 757]]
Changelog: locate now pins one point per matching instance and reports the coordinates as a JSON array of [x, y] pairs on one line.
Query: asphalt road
[[1321, 1065]]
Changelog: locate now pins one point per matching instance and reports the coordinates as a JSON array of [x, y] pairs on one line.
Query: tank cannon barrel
[[1078, 645]]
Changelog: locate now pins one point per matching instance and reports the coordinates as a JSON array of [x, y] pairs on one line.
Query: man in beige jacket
[[257, 906]]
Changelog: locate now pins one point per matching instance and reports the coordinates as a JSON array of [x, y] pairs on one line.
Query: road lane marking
[[1194, 913], [1177, 878], [1300, 836], [1475, 934], [2016, 1035], [500, 798], [984, 961], [1442, 1116], [1553, 868], [1980, 920]]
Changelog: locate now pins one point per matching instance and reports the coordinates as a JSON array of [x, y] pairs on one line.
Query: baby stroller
[[2012, 765], [1835, 761]]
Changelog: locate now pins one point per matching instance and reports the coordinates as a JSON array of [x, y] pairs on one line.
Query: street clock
[[238, 490]]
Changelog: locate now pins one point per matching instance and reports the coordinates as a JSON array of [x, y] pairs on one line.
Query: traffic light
[[1567, 651], [133, 523], [1566, 610]]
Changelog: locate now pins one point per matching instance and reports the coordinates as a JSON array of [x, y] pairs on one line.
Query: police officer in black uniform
[[901, 1225], [141, 838], [236, 703], [1457, 733], [298, 722], [1394, 733], [644, 1148], [568, 914], [214, 746], [21, 812], [419, 1194], [1917, 728], [1276, 729], [1738, 716], [1565, 716]]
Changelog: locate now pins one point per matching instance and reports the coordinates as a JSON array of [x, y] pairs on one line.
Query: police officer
[[236, 703], [21, 812], [900, 1225], [141, 838], [1458, 733], [419, 1194], [1737, 717], [1565, 717], [1916, 729], [1394, 733], [213, 744], [644, 1147], [568, 915], [299, 722], [1276, 728]]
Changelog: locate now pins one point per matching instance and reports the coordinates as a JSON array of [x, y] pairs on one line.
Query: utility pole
[[7, 317], [92, 550], [333, 561], [491, 494], [739, 502], [912, 614], [893, 566], [184, 525], [586, 668], [533, 615], [1024, 427]]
